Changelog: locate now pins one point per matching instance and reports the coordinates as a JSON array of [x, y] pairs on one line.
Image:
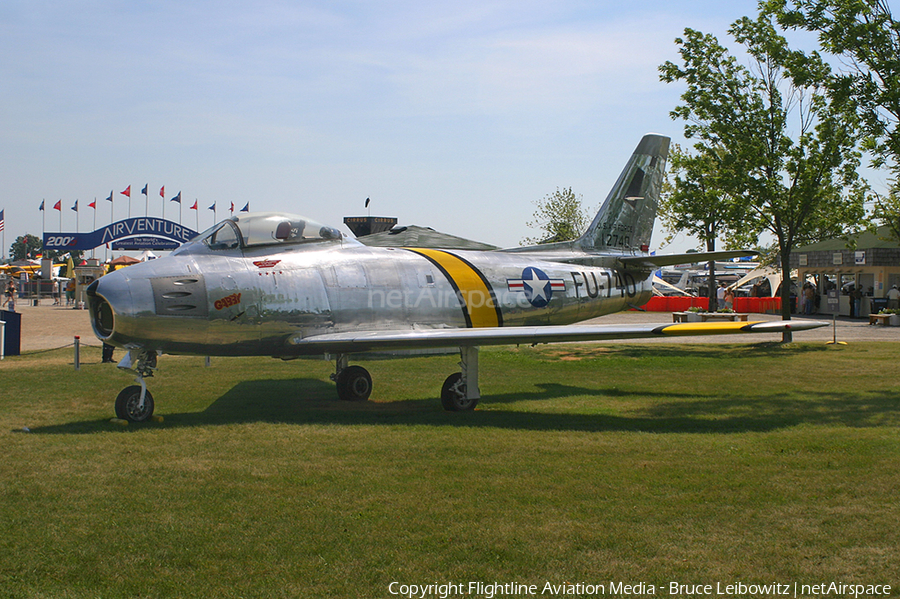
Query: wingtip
[[780, 326]]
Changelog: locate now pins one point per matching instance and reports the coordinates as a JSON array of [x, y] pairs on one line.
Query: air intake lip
[[103, 319]]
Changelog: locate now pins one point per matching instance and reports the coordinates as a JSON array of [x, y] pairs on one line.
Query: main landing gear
[[135, 403], [353, 382], [459, 392]]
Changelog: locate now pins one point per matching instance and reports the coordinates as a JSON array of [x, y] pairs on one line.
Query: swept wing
[[431, 338]]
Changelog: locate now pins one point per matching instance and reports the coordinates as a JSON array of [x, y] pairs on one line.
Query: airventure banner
[[148, 227]]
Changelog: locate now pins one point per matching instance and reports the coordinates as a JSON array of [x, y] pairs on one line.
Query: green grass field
[[699, 464]]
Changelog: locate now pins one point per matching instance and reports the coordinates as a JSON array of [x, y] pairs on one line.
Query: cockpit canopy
[[266, 228]]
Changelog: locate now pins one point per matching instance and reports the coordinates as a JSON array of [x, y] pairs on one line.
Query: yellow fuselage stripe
[[473, 291]]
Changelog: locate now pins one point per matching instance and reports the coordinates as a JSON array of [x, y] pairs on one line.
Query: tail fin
[[625, 220]]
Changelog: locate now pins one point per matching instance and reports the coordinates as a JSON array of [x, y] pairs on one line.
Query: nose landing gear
[[135, 403]]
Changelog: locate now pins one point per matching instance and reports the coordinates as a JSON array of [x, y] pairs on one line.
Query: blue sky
[[454, 115]]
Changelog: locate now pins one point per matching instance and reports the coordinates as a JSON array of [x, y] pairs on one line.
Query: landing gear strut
[[354, 383], [460, 391], [135, 403]]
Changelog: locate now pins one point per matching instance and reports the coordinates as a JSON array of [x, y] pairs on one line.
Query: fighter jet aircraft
[[282, 285]]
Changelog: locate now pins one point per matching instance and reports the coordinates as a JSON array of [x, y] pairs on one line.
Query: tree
[[785, 154], [865, 34], [25, 247], [560, 216], [694, 201], [887, 211]]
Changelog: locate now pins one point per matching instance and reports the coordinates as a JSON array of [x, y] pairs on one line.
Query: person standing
[[809, 299], [720, 296], [893, 297], [856, 301], [729, 299], [70, 291], [10, 302]]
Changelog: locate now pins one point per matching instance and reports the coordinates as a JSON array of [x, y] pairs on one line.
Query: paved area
[[48, 326]]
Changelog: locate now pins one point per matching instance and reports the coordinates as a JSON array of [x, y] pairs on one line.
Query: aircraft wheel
[[127, 404], [354, 384], [453, 395]]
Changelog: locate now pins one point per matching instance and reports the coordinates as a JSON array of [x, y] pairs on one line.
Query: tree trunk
[[711, 277], [787, 336]]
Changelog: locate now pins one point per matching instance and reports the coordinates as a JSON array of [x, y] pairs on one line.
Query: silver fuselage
[[262, 300]]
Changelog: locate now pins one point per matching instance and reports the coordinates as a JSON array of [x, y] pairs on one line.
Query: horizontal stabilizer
[[688, 258]]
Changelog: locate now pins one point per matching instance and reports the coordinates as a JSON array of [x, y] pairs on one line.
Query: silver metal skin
[[282, 285]]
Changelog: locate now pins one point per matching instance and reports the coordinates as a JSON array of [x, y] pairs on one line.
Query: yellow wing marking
[[704, 328]]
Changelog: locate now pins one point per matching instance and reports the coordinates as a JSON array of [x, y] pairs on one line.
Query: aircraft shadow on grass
[[313, 401]]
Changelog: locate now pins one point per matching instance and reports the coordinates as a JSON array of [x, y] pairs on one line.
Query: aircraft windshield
[[268, 228]]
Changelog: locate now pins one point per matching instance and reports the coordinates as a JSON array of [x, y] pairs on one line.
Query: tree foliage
[[28, 247], [865, 35], [887, 211], [781, 151], [559, 216], [25, 247], [696, 202]]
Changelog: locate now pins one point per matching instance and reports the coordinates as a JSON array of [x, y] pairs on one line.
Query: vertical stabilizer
[[625, 220]]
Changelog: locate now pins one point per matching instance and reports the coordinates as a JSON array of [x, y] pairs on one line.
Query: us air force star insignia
[[538, 287]]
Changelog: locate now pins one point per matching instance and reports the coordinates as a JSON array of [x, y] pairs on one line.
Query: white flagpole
[[94, 250]]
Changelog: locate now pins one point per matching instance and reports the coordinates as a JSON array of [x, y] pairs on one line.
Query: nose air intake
[[103, 319]]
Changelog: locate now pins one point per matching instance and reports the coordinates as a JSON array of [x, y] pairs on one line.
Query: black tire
[[354, 384], [453, 395], [127, 405]]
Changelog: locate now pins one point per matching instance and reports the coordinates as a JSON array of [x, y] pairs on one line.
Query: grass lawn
[[699, 464]]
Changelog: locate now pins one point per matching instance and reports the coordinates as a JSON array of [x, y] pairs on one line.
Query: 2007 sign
[[59, 241]]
